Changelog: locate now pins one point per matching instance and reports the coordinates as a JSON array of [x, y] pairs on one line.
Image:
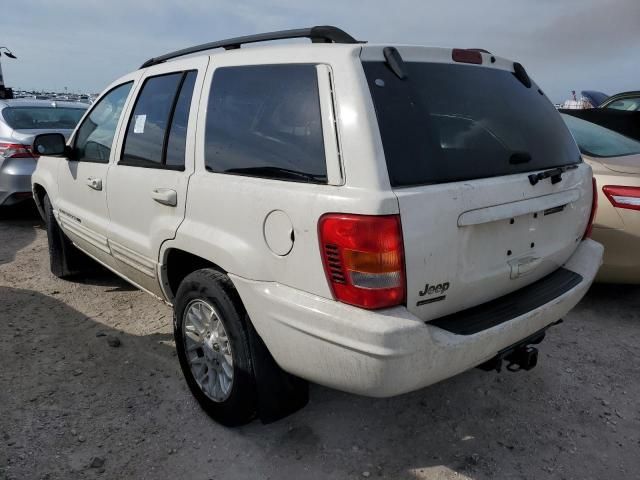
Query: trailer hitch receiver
[[520, 356]]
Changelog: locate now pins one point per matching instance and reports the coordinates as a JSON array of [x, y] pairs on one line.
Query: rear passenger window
[[177, 140], [265, 121], [156, 135]]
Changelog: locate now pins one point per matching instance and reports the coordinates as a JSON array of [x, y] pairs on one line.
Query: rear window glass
[[28, 118], [598, 141], [448, 122], [265, 121], [144, 143]]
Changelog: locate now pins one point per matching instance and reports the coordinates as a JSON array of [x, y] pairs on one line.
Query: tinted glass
[[598, 141], [447, 123], [27, 118], [95, 135], [177, 140], [265, 121], [144, 142], [627, 104]]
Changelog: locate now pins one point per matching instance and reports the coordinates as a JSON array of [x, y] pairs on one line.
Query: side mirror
[[50, 144]]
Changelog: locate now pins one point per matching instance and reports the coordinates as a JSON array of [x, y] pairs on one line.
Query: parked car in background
[[368, 217], [615, 160], [20, 122], [626, 101]]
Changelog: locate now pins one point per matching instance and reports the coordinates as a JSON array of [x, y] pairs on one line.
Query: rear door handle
[[165, 196], [95, 183]]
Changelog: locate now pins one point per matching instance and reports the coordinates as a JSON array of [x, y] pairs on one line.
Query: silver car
[[20, 122]]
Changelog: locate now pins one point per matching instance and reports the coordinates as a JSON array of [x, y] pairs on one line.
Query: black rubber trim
[[512, 305], [317, 34]]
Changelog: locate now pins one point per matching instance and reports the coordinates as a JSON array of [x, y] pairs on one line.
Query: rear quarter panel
[[226, 214]]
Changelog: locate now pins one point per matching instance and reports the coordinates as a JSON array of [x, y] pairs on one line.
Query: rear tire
[[65, 260], [202, 356]]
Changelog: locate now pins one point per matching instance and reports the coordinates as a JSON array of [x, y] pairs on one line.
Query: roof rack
[[318, 34]]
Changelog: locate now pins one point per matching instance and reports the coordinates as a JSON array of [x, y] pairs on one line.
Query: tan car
[[615, 160]]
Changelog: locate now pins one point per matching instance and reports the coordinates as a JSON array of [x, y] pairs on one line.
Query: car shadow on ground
[[68, 396], [23, 219], [93, 394]]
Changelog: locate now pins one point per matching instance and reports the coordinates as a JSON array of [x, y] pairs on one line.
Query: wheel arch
[[39, 193], [176, 264]]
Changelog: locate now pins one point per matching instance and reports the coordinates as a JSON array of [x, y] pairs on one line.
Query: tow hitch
[[520, 356]]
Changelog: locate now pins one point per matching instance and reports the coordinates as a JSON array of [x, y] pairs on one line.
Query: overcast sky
[[86, 44]]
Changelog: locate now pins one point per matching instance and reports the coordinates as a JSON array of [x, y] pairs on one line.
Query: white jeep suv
[[368, 217]]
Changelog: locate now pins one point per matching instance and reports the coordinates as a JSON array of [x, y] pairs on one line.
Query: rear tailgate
[[460, 142], [463, 248]]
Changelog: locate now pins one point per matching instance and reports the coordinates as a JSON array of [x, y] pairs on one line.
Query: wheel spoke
[[196, 361], [212, 382], [204, 314], [222, 334], [224, 382], [227, 368], [194, 338], [216, 391], [202, 374], [195, 324]]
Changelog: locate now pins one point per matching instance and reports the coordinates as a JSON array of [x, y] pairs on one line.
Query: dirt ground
[[72, 406]]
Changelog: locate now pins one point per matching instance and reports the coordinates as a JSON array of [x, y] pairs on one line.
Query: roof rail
[[318, 34]]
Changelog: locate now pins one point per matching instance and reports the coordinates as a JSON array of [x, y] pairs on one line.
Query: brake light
[[623, 197], [363, 258], [594, 209], [15, 150], [461, 55]]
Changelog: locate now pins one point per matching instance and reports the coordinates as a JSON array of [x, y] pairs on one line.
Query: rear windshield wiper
[[275, 172], [554, 173]]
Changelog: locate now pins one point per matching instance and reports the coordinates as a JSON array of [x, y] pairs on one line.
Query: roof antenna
[[394, 61]]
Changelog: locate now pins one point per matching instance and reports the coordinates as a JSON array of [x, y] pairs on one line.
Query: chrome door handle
[[165, 196], [95, 183]]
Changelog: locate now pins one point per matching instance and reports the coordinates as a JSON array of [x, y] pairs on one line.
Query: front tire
[[212, 341], [64, 259]]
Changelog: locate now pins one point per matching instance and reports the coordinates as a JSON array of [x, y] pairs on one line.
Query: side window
[[158, 123], [265, 121], [95, 136], [177, 139], [629, 104]]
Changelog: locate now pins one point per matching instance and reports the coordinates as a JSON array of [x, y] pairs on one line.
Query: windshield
[[598, 141], [41, 118], [450, 122]]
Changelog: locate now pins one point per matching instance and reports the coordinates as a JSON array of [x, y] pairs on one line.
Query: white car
[[368, 217]]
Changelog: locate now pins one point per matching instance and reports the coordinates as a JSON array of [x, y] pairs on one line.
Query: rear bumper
[[388, 352], [15, 180]]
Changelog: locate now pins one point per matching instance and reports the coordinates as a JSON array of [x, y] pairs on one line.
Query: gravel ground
[[73, 406]]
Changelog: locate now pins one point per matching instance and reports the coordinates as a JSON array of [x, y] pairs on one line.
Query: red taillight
[[594, 209], [364, 258], [466, 56], [623, 197], [15, 150]]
